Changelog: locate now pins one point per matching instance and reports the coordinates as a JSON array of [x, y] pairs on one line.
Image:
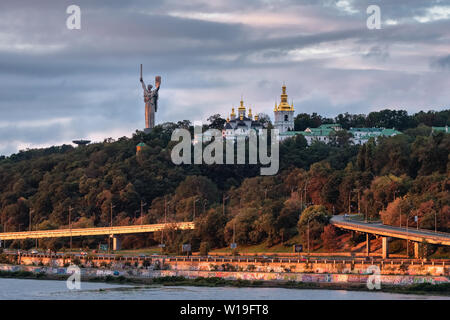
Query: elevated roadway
[[417, 236], [112, 231]]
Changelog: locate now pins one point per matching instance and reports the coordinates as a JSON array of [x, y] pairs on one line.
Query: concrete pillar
[[385, 242], [367, 244], [416, 250], [117, 243]]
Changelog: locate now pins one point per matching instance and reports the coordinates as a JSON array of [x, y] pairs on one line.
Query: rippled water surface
[[50, 289]]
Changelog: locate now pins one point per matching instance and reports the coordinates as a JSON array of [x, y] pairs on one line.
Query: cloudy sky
[[58, 84]]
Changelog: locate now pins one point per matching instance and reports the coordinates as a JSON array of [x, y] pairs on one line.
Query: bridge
[[111, 231], [387, 232]]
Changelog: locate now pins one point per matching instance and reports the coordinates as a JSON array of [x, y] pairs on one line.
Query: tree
[[216, 122], [312, 219], [328, 237], [204, 248], [264, 119]]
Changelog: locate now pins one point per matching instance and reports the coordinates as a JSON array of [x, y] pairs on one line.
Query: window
[[286, 117]]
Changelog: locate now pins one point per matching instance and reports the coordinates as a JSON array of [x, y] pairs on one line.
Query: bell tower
[[284, 113]]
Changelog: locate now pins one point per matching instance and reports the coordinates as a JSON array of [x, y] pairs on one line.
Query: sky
[[57, 84]]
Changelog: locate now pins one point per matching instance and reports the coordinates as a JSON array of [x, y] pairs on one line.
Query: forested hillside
[[407, 174]]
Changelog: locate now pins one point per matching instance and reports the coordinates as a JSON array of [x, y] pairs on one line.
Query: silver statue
[[151, 101]]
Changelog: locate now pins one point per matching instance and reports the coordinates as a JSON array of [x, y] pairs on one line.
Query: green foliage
[[312, 221], [325, 177], [204, 248]]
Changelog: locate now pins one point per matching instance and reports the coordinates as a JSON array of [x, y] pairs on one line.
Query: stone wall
[[235, 275]]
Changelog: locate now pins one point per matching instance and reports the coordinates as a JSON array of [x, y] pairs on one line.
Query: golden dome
[[232, 112], [284, 105], [256, 117], [249, 112], [241, 107], [241, 117]]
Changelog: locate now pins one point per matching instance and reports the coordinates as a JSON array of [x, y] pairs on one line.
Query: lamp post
[[195, 200], [205, 202], [223, 203], [142, 208], [309, 219], [70, 227], [435, 222], [111, 207], [29, 223], [407, 235]]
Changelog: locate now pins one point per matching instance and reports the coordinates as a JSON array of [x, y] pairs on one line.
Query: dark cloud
[[58, 84], [442, 62]]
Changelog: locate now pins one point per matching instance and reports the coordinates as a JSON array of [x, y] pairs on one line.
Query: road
[[59, 233], [380, 229]]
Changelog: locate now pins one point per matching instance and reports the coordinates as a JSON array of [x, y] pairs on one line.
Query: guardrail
[[191, 259], [59, 233], [392, 231]]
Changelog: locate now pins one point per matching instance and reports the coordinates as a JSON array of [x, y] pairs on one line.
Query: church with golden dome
[[284, 113], [241, 123]]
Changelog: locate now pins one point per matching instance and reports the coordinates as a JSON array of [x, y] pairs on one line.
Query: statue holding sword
[[151, 102]]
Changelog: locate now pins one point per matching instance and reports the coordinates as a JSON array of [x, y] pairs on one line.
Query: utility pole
[[359, 209], [142, 209], [70, 227], [308, 238], [195, 200], [306, 199], [435, 222], [234, 230], [407, 236], [349, 208], [165, 221], [110, 225], [205, 202], [223, 203], [29, 224]]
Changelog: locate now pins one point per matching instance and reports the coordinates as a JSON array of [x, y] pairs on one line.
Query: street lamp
[[205, 202], [309, 219], [223, 203], [195, 200], [435, 222], [142, 208], [70, 226], [29, 224]]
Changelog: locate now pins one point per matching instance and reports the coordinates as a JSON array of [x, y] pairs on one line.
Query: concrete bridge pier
[[416, 250], [385, 242], [367, 244], [117, 242]]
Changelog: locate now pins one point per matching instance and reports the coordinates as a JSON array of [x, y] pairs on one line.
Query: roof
[[390, 132], [366, 129], [141, 144], [440, 129], [330, 125], [319, 133]]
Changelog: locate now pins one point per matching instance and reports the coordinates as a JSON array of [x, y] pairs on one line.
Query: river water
[[57, 290]]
